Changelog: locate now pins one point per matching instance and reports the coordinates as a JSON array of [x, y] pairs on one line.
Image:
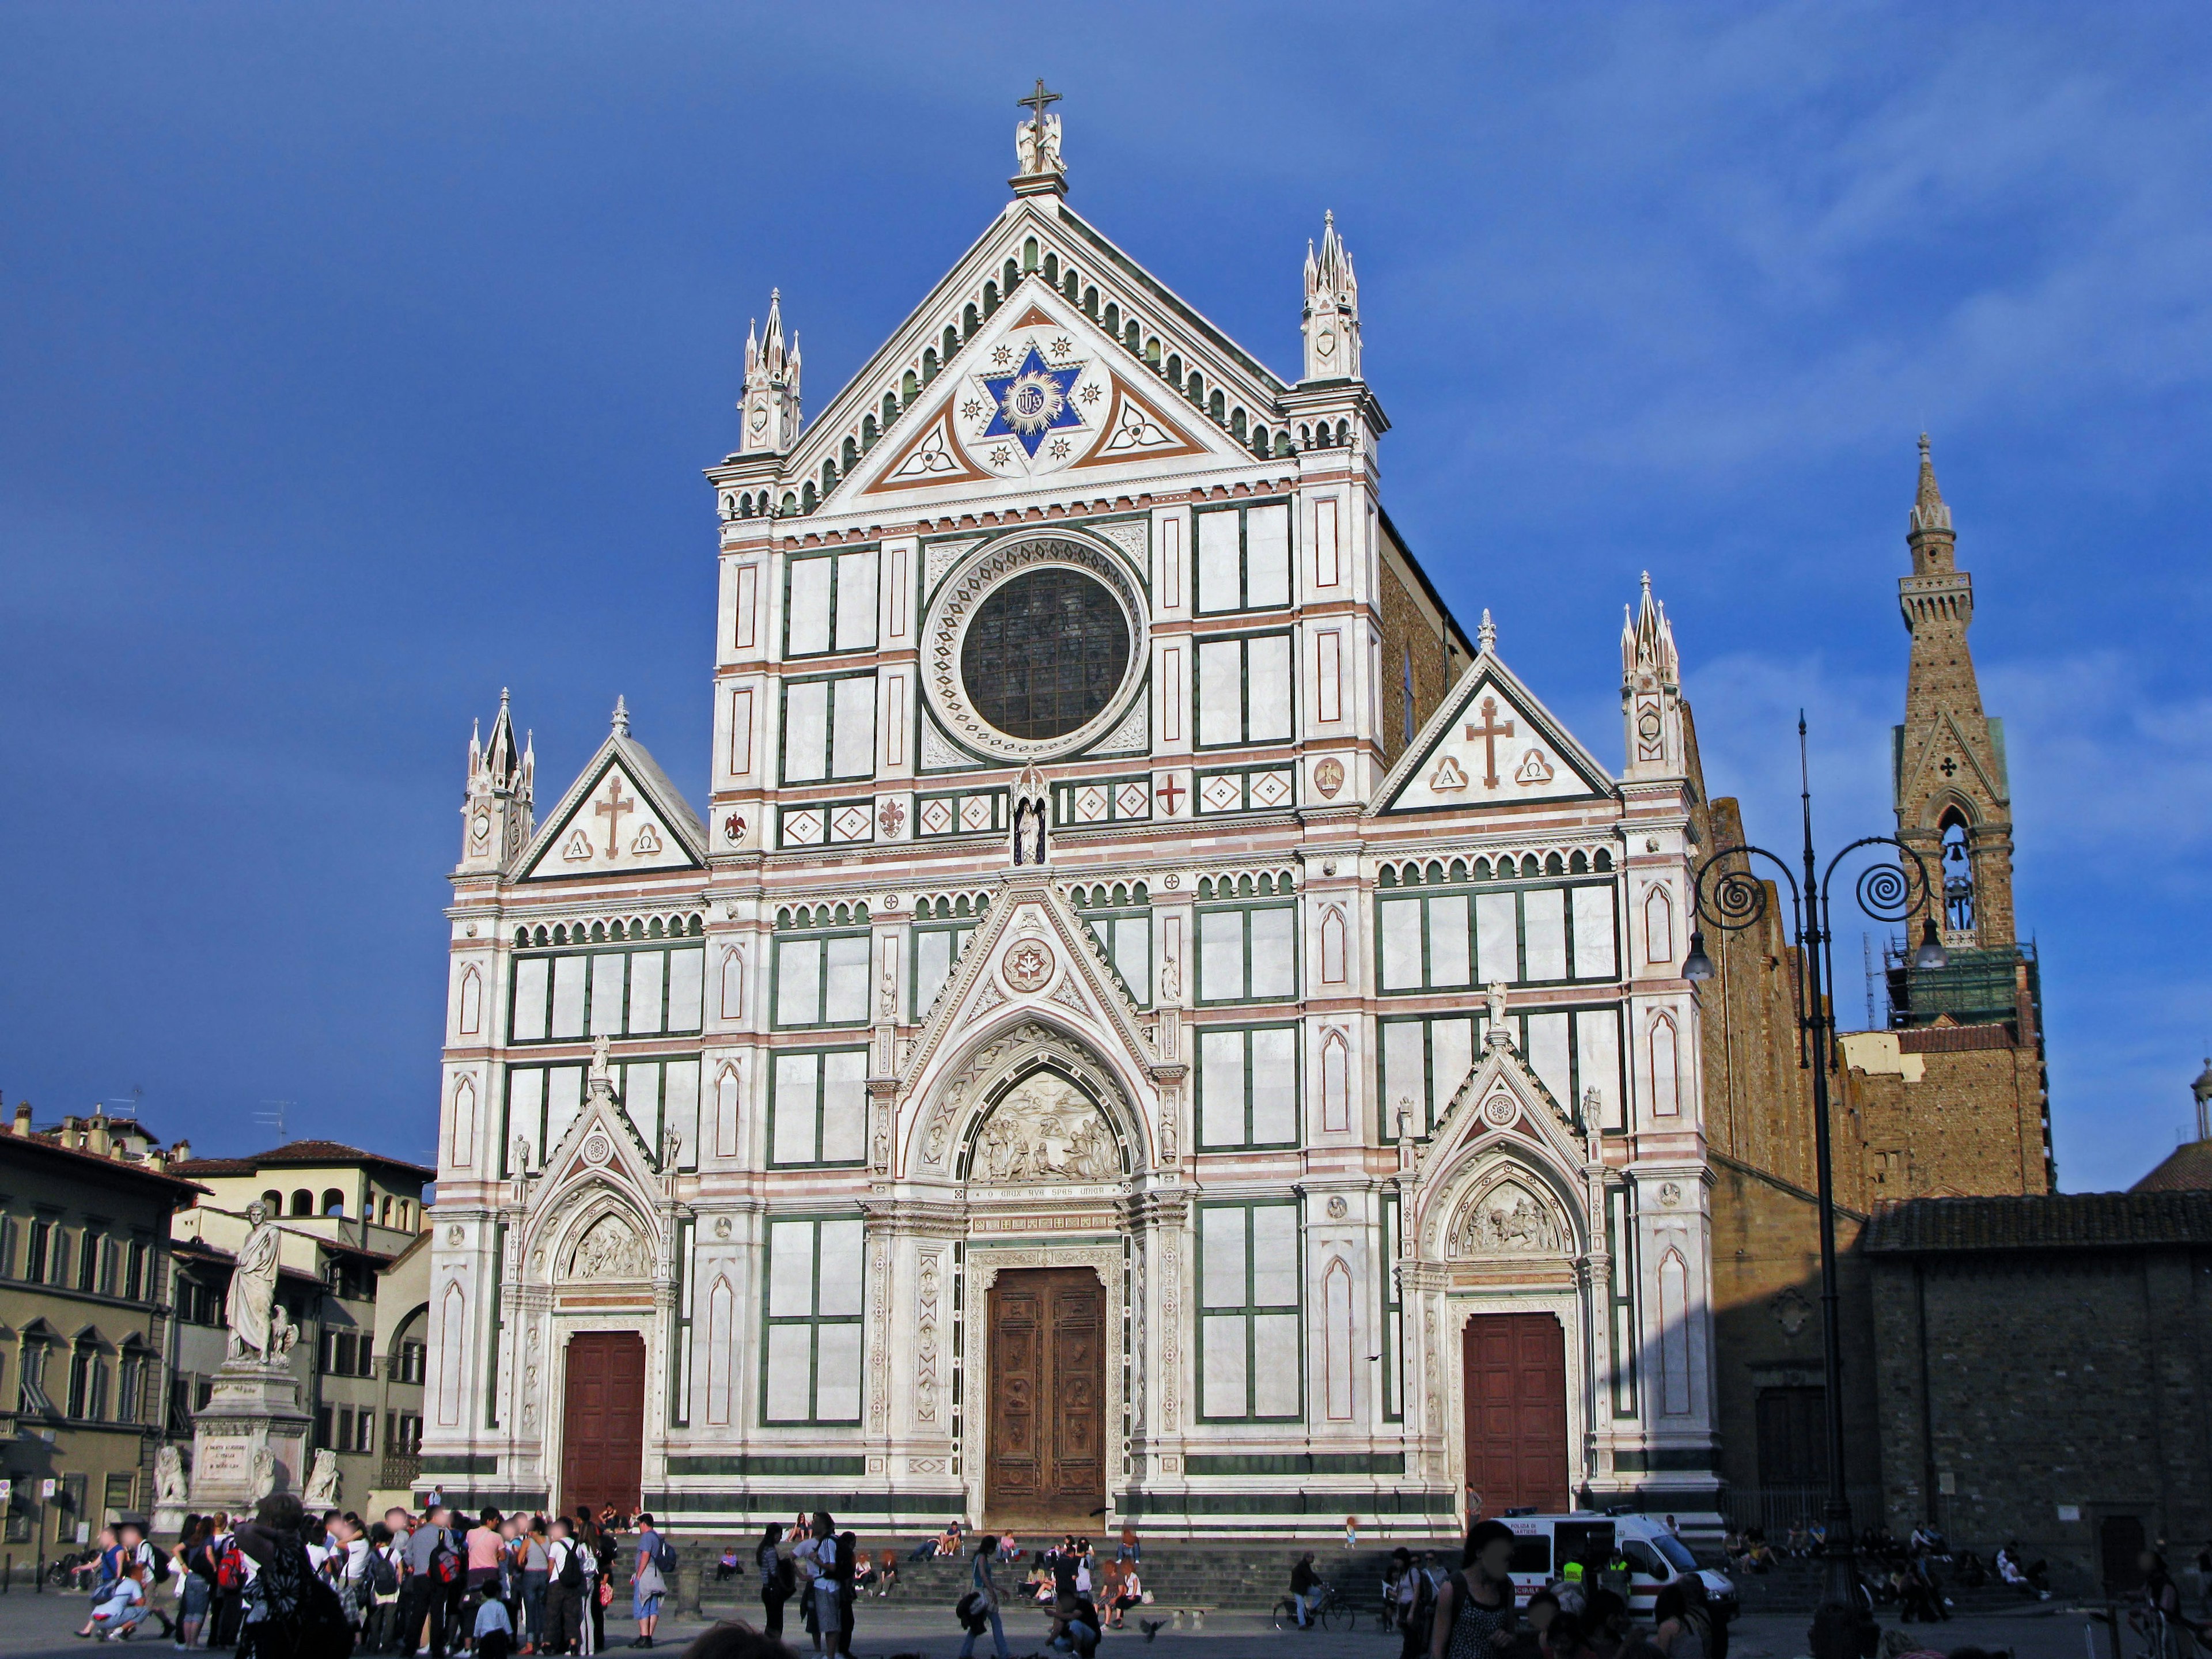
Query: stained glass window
[[1045, 654]]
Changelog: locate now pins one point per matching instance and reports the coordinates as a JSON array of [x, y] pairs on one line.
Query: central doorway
[[1046, 1361], [603, 1423], [1516, 1412]]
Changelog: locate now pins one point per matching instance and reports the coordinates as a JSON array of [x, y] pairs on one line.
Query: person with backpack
[[778, 1579], [656, 1562], [197, 1591], [599, 1546], [564, 1606], [536, 1580], [290, 1613], [380, 1589], [434, 1571], [979, 1608]]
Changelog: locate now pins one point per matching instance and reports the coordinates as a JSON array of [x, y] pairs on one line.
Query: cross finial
[[1036, 101]]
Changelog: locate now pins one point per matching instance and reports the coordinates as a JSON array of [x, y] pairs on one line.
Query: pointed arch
[[472, 1001], [1658, 924], [461, 1145], [726, 1096], [1666, 1067], [1334, 951], [1337, 1356], [721, 1330], [962, 1086], [1335, 1084], [733, 982], [451, 1332], [1673, 1334]]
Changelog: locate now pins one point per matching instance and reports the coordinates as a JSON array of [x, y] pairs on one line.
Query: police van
[[1632, 1554]]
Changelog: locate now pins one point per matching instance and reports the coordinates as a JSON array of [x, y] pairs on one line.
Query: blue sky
[[358, 362]]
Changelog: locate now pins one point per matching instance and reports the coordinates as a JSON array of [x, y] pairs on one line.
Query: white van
[[1545, 1543]]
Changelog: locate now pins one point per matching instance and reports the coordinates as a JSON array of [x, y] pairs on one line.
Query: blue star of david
[[1031, 401]]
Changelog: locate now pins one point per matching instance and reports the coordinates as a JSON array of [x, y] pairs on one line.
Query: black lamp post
[[1734, 898]]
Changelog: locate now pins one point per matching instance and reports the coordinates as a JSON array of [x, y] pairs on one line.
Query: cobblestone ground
[[41, 1626]]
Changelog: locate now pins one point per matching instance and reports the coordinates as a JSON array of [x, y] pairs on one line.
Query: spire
[[1929, 512], [1485, 635], [621, 717], [771, 404], [1647, 641], [495, 806], [1332, 309], [1651, 690]]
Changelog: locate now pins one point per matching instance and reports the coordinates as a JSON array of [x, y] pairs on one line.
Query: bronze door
[[1046, 1396], [602, 1426], [1516, 1412]]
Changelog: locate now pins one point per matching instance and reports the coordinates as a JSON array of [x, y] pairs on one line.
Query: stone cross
[[1490, 730], [612, 808]]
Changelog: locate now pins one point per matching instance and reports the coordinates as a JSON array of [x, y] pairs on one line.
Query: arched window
[[386, 1215], [1658, 926], [87, 1384], [303, 1202], [1957, 874], [273, 1201], [333, 1202]]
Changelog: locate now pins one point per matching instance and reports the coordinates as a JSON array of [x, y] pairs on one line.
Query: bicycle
[[1333, 1612]]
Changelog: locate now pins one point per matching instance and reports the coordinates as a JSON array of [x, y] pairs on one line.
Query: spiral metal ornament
[[1731, 900], [1889, 892]]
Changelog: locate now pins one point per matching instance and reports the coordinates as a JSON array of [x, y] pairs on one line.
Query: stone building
[[347, 1217], [1155, 1022], [2043, 1369], [84, 1267]]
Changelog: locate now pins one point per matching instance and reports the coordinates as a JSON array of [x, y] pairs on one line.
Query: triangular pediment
[[1012, 280], [1040, 389], [1501, 1095], [1032, 957], [1491, 742], [1969, 777], [602, 1143], [621, 816]]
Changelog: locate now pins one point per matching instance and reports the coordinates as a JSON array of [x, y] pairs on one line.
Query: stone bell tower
[[770, 405]]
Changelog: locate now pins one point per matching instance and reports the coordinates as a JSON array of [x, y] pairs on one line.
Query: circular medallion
[[721, 1226], [1500, 1110], [1670, 1194], [454, 1235], [1027, 967], [596, 1148], [1328, 776], [1338, 1209], [1036, 647]]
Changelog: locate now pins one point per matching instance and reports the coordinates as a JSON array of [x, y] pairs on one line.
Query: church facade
[[1154, 1025]]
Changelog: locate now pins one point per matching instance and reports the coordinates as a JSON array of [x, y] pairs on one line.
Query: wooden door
[[1047, 1396], [603, 1425], [1516, 1412]]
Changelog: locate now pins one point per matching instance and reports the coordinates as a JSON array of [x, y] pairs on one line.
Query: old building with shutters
[[1155, 1022]]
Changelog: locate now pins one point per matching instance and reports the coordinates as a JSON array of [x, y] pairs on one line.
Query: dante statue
[[253, 1288]]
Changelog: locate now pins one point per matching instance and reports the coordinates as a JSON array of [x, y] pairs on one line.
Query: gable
[[1040, 389], [618, 820], [1490, 743]]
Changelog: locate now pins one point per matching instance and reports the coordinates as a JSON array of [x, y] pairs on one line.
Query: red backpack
[[230, 1566]]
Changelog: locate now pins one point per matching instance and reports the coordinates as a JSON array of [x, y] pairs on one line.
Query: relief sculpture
[[1046, 1130]]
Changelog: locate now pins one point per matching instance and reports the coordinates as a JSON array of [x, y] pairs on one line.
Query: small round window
[[1045, 654]]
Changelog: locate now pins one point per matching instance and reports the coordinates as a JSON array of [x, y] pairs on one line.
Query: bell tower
[[1954, 796]]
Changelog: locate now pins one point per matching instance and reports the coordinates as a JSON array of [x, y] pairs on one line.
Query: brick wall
[[2034, 1379]]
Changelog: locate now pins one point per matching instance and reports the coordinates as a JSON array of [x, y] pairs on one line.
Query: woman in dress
[[1475, 1615]]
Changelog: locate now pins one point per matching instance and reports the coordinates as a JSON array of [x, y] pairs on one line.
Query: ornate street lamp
[[1734, 898]]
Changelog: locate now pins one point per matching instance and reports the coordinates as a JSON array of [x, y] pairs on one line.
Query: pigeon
[[1152, 1627]]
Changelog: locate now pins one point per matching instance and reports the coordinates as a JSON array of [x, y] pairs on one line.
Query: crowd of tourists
[[288, 1585]]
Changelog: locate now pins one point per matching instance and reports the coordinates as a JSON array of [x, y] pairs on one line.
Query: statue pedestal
[[250, 1440]]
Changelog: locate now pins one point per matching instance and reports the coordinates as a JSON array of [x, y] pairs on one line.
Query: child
[[495, 1630]]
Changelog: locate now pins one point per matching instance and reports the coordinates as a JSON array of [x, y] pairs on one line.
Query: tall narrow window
[[1251, 1363], [811, 1365]]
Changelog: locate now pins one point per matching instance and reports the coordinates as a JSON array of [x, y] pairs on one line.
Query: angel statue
[[1036, 157]]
